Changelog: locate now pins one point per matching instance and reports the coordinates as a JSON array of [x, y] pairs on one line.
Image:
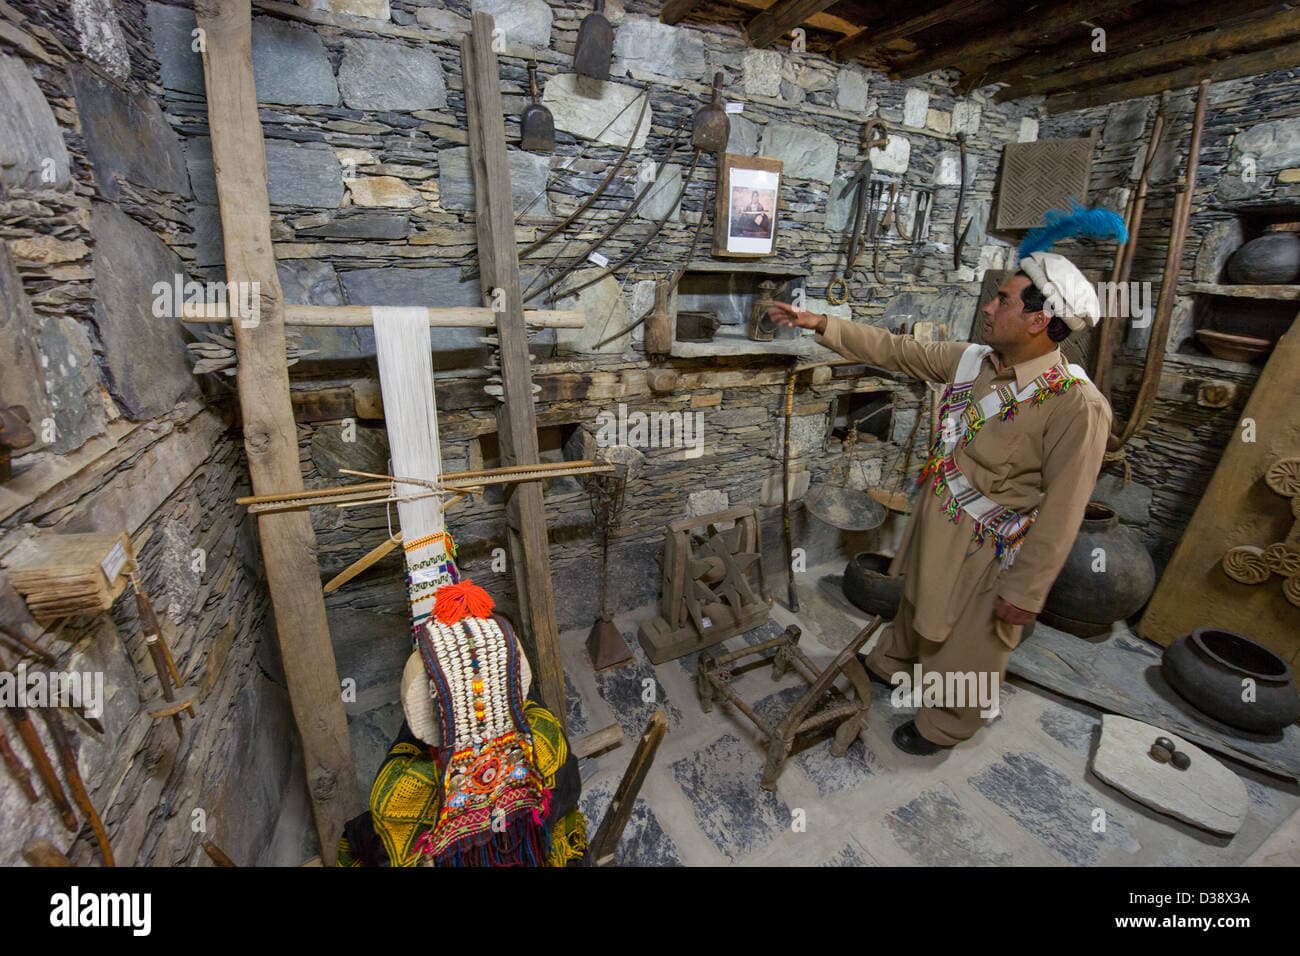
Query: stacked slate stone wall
[[94, 209], [1248, 174], [373, 205]]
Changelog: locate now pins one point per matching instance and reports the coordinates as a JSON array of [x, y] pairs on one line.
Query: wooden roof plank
[[871, 39], [1281, 57], [781, 17]]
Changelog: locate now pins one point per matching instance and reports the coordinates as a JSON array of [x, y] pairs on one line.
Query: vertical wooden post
[[270, 435], [516, 417]]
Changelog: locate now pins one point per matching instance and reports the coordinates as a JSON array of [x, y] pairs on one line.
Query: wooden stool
[[830, 704]]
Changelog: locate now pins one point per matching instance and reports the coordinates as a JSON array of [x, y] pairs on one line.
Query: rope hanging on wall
[[404, 350]]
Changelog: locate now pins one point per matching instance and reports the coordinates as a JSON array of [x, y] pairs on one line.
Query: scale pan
[[845, 508]]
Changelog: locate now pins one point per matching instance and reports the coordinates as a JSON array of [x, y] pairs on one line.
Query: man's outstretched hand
[[1012, 614], [783, 314]]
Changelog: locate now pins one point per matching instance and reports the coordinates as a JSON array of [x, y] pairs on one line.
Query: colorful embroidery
[[494, 799], [1004, 526]]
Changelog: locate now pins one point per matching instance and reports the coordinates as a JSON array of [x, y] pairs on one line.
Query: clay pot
[[1208, 668], [868, 584], [1086, 602], [1272, 259]]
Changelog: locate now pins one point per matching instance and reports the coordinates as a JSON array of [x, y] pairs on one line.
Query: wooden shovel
[[536, 125], [595, 46]]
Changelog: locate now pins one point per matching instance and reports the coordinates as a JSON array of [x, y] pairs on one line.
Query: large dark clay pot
[[1272, 259], [868, 585], [1208, 668], [1086, 602]]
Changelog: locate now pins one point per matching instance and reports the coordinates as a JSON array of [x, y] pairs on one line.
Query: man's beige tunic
[[1046, 457]]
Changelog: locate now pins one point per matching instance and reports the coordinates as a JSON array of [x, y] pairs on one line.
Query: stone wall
[[372, 204], [94, 195], [1249, 163]]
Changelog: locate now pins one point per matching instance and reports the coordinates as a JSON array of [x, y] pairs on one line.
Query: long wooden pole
[[516, 417], [1105, 348], [270, 435], [360, 316], [1155, 360]]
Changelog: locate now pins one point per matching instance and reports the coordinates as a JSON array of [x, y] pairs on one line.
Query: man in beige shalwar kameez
[[1007, 486]]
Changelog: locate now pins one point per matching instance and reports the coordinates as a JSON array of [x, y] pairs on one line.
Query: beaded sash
[[963, 418], [494, 801]]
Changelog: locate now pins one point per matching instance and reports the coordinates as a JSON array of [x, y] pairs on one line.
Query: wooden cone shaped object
[[606, 645]]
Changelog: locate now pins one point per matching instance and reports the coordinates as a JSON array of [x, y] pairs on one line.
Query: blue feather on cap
[[1096, 223]]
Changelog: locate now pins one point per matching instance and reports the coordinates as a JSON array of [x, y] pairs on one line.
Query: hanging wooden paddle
[[595, 46], [536, 124]]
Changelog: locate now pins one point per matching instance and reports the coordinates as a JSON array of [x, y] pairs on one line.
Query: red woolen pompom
[[465, 599]]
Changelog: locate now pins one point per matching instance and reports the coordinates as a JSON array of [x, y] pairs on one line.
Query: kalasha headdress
[[463, 693]]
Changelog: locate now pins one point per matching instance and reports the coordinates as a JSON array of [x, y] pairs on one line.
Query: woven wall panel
[[1040, 176]]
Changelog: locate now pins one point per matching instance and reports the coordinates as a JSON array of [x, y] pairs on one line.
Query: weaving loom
[[404, 350]]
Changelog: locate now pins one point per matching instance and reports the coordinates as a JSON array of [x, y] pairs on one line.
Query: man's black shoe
[[872, 675], [909, 740]]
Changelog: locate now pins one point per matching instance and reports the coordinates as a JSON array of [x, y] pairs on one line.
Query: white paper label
[[114, 563], [706, 622], [597, 258], [425, 575], [735, 107]]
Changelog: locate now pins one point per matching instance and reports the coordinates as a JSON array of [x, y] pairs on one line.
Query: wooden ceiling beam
[[1216, 45], [1285, 56], [871, 39], [1128, 36], [1020, 30], [674, 11], [780, 17]]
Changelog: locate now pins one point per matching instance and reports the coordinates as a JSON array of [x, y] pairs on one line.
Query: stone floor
[[1020, 792]]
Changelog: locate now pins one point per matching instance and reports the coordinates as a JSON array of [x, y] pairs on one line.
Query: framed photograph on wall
[[749, 191]]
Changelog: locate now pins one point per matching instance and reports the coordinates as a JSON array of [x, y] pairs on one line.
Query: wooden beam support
[[872, 39], [1125, 36], [1282, 57], [1250, 34], [780, 17], [674, 11], [357, 316], [516, 417], [270, 436], [1018, 30]]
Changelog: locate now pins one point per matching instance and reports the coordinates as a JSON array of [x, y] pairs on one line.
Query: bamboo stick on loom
[[361, 316]]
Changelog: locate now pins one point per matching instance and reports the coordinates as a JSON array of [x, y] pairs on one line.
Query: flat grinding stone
[[1207, 794]]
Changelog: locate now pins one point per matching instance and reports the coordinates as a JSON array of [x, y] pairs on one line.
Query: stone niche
[[1212, 307]]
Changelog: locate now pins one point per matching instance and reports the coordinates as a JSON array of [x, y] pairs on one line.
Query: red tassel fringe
[[463, 599]]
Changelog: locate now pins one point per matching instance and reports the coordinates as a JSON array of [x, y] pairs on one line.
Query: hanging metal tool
[[837, 292], [536, 124], [839, 505], [959, 233], [595, 46], [712, 128], [78, 787]]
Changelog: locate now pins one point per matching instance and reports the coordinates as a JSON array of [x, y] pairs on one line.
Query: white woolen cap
[[1068, 293]]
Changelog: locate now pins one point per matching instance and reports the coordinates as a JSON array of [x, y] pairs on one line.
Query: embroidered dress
[[494, 800], [963, 417]]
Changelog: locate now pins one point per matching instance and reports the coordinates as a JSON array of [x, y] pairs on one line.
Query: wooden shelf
[[1281, 292], [755, 267]]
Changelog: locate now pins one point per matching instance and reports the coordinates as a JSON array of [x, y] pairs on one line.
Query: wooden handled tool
[[156, 644], [16, 767], [41, 760], [76, 785]]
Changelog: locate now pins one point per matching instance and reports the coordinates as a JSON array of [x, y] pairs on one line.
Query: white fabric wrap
[[1068, 293]]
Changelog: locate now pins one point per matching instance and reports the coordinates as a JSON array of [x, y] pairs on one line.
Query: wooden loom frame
[[270, 434]]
